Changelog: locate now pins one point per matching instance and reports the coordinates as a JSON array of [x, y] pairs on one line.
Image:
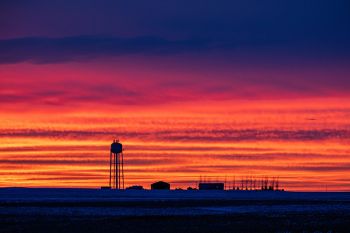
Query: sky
[[216, 89]]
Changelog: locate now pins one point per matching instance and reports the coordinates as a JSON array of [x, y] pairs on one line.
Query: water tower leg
[[116, 171], [122, 162], [110, 169], [120, 172]]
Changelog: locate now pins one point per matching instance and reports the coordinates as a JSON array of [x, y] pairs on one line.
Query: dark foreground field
[[331, 222], [77, 210]]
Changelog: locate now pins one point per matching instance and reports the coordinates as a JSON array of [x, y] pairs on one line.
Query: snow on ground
[[183, 211], [94, 202]]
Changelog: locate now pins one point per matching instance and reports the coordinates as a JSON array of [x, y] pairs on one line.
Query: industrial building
[[160, 185]]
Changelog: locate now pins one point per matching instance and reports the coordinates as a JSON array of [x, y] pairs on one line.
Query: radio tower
[[116, 166]]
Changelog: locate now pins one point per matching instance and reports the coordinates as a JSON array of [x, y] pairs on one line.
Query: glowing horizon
[[240, 88], [297, 145]]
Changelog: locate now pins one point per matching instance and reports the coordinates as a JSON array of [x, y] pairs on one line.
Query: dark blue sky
[[251, 24], [284, 45]]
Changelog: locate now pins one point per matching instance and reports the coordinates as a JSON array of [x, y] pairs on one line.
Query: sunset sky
[[191, 88]]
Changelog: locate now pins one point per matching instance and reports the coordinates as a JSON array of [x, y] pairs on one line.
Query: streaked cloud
[[195, 135], [52, 50], [82, 48]]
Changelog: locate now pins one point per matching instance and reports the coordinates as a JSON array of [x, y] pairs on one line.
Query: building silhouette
[[160, 185]]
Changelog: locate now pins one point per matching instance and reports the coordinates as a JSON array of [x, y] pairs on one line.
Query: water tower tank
[[116, 147]]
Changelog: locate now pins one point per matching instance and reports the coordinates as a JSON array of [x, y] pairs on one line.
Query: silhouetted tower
[[116, 166], [266, 183], [272, 185], [234, 183]]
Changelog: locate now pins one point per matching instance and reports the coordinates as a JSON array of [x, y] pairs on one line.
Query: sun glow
[[300, 143]]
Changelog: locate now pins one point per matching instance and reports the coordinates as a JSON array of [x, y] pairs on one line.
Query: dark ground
[[331, 222], [90, 211]]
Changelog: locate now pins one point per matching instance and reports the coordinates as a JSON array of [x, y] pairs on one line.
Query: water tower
[[116, 166]]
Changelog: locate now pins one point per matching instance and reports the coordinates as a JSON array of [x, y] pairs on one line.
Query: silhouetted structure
[[160, 185], [211, 186], [264, 184], [116, 166], [135, 187], [247, 183]]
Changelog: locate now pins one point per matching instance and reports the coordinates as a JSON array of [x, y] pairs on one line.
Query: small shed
[[211, 186], [160, 185]]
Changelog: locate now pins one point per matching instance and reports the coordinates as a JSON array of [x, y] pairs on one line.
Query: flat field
[[92, 210]]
